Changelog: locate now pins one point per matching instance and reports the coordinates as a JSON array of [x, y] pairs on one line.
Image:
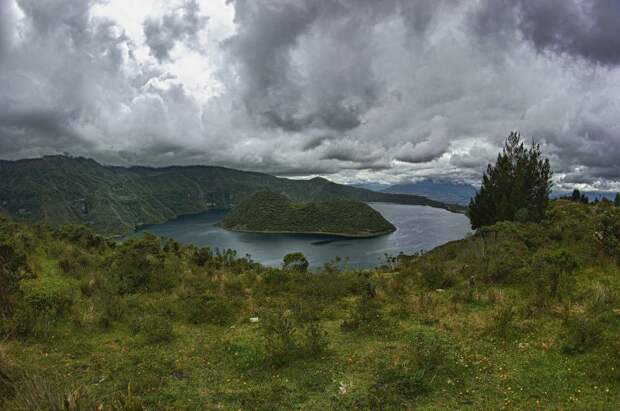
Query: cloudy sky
[[354, 90]]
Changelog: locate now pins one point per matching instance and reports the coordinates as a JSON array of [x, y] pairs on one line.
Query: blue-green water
[[418, 228]]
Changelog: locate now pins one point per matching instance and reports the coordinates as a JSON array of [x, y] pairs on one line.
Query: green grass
[[428, 348]]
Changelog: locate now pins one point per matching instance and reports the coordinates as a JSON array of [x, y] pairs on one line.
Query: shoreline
[[344, 235]]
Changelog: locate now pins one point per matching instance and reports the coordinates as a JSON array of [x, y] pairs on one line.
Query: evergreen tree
[[517, 187], [617, 200], [578, 197]]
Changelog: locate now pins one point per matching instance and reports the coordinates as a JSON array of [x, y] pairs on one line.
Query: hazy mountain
[[592, 195], [371, 186], [444, 191], [114, 200]]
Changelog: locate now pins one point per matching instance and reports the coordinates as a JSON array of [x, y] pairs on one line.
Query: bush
[[141, 265], [601, 297], [554, 271], [502, 322], [276, 281], [316, 340], [581, 335], [44, 302], [13, 268], [415, 371], [21, 389], [127, 401], [110, 309], [366, 317], [295, 262], [426, 307], [279, 333], [434, 275], [208, 308]]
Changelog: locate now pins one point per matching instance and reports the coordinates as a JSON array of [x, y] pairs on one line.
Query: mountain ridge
[[114, 200]]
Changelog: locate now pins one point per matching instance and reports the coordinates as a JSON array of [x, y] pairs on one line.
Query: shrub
[[366, 317], [21, 389], [202, 256], [44, 302], [71, 262], [138, 265], [434, 274], [581, 335], [110, 309], [13, 267], [601, 298], [127, 401], [426, 307], [208, 308], [295, 262], [414, 371], [279, 333], [554, 271], [316, 340], [502, 322], [276, 280]]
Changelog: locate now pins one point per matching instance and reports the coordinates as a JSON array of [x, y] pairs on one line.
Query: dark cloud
[[182, 24], [584, 28], [385, 90]]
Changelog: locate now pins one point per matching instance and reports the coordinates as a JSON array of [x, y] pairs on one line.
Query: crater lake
[[417, 228]]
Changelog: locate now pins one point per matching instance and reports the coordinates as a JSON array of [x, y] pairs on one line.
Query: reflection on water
[[418, 228]]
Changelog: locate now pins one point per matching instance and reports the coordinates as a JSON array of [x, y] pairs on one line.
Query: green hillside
[[275, 213], [114, 200], [518, 316]]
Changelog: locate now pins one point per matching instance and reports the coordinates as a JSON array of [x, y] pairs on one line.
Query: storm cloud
[[182, 24], [356, 90]]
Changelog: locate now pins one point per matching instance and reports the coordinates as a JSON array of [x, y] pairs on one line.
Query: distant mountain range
[[115, 200], [443, 191], [448, 192], [592, 195], [457, 193]]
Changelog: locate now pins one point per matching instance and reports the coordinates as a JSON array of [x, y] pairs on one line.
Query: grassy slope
[[507, 341], [275, 213], [56, 189]]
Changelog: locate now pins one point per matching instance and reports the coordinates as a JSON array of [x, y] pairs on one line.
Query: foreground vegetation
[[518, 316], [270, 212]]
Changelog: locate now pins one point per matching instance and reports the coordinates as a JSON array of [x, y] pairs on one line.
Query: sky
[[353, 90]]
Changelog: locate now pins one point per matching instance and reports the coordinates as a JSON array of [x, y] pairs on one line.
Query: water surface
[[418, 228]]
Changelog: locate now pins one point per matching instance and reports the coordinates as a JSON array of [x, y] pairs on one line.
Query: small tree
[[516, 187], [295, 262], [578, 197], [617, 200]]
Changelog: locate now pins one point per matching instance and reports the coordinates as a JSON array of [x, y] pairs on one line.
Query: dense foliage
[[517, 316], [114, 200], [516, 187], [272, 212]]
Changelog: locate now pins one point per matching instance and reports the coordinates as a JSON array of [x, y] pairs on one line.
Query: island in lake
[[269, 212]]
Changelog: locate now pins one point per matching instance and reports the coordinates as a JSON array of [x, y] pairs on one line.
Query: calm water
[[418, 228]]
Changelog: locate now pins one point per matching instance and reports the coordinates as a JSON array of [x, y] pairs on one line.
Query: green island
[[269, 212]]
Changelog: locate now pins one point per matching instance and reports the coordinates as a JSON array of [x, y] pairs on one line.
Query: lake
[[418, 228]]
